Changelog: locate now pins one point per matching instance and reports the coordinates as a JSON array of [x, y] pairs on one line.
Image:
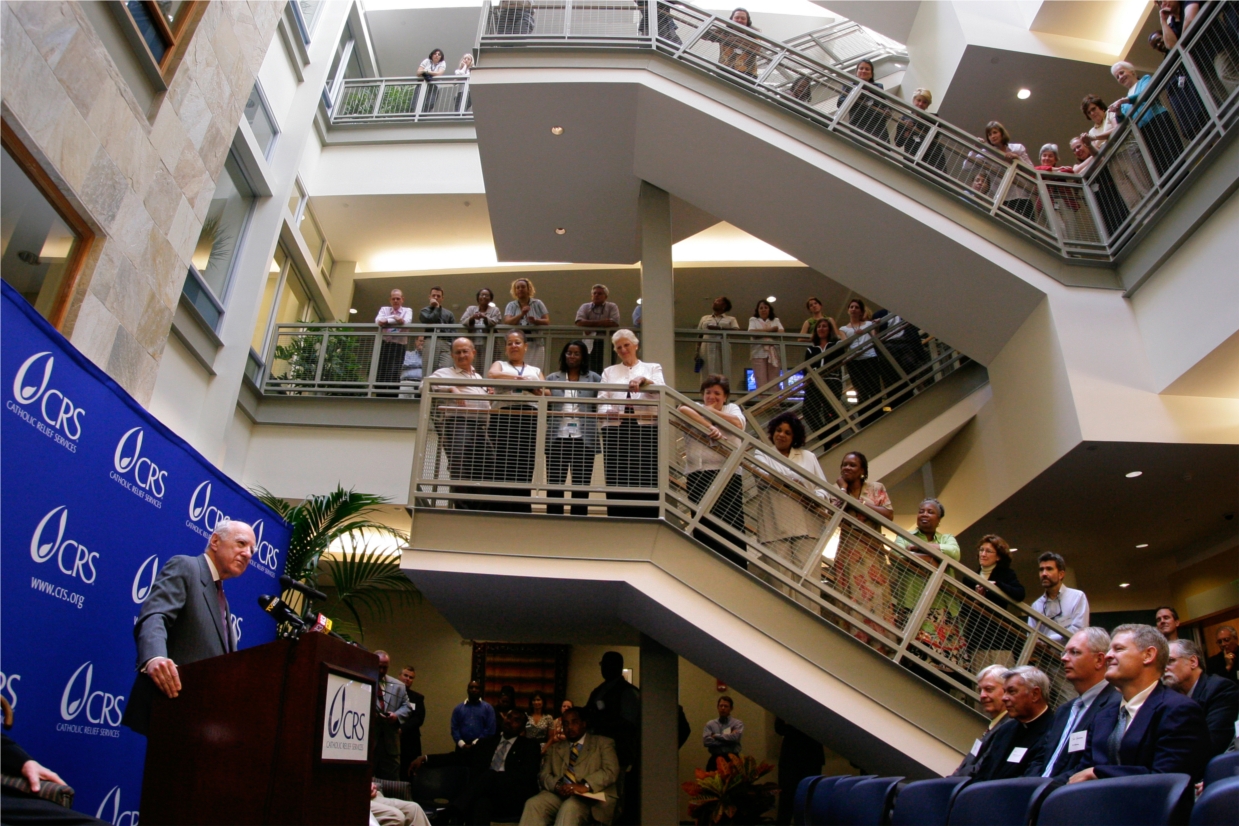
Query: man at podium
[[185, 618]]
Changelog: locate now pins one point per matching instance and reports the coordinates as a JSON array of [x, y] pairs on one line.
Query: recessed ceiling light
[[1012, 550], [1124, 584], [1023, 94], [557, 130], [1135, 473], [560, 230], [771, 299], [352, 311], [1143, 545]]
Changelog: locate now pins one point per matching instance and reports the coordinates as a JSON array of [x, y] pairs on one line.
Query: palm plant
[[365, 577]]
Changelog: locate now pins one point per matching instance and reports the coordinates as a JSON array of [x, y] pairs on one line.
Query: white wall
[[395, 169], [181, 410], [296, 461]]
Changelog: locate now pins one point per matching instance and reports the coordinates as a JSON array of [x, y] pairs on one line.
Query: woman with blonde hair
[[526, 311]]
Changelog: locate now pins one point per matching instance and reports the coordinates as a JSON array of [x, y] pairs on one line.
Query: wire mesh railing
[[403, 100], [595, 450], [1092, 217], [845, 44], [854, 382]]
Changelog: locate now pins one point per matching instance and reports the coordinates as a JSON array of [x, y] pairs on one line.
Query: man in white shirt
[[1066, 606], [1167, 619], [1070, 740], [391, 356], [463, 426]]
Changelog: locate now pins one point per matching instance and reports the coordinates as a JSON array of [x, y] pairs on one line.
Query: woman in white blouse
[[706, 453], [630, 433], [483, 314], [865, 367], [514, 425], [766, 365], [430, 68]]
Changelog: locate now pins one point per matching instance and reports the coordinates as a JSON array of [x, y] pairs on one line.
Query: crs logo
[[116, 816], [201, 511], [81, 561], [8, 686], [57, 410], [343, 722], [147, 475], [142, 582], [102, 709], [265, 553], [235, 622]]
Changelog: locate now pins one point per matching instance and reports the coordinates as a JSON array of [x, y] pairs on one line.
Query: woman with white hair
[[630, 432], [1155, 121]]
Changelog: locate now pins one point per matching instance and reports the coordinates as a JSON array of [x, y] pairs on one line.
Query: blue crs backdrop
[[97, 494]]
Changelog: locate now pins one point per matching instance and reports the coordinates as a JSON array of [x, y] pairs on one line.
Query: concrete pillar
[[660, 752], [657, 282]]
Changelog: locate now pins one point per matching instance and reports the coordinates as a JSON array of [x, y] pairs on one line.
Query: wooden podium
[[244, 741]]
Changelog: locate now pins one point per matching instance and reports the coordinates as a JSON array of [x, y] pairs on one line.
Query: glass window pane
[[294, 201], [311, 234], [268, 298], [329, 261], [36, 244], [260, 120], [222, 229], [309, 13], [294, 301], [171, 10], [197, 295], [148, 28]]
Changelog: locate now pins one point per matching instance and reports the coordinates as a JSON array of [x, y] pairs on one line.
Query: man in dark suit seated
[[1018, 743], [1069, 741], [989, 689], [1153, 730], [503, 771], [1225, 663], [1218, 696], [20, 808], [185, 618], [578, 779]]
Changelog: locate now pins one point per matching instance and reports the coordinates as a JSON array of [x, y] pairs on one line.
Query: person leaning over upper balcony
[[910, 132], [999, 139], [1066, 606], [435, 313], [993, 641], [483, 315], [572, 432], [765, 357], [865, 114], [514, 425], [1049, 159], [866, 369], [1156, 124], [705, 455], [597, 313], [1174, 17], [818, 409], [630, 432], [995, 565], [859, 569], [939, 630], [814, 305], [432, 67], [391, 356], [463, 427], [1083, 150], [734, 51], [524, 310], [466, 64], [710, 348]]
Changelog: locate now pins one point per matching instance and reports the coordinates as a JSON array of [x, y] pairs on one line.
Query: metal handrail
[[1094, 217], [497, 454], [403, 100], [828, 42]]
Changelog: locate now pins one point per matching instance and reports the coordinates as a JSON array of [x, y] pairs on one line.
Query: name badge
[[1076, 741], [413, 706], [1016, 755], [976, 748]]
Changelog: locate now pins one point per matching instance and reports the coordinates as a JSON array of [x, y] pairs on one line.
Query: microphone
[[290, 584], [279, 609]]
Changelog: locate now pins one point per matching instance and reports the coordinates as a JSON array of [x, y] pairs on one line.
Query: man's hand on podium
[[164, 672]]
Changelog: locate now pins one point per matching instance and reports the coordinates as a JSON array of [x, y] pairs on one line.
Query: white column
[[657, 282], [660, 752]]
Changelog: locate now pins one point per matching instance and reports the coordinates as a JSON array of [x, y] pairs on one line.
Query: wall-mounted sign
[[346, 719]]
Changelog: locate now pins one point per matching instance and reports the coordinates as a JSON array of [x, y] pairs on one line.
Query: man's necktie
[[223, 613], [576, 752], [501, 754], [1076, 705], [1116, 736]]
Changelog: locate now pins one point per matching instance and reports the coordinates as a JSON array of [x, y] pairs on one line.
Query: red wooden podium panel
[[242, 743]]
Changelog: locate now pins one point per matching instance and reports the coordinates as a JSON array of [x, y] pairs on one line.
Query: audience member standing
[[1222, 664], [865, 114], [1070, 739], [859, 575], [939, 630], [473, 719], [814, 305], [392, 709], [1167, 619], [722, 736], [411, 729], [1153, 730], [1066, 606], [800, 756], [819, 410], [1020, 741], [464, 426], [391, 355], [1218, 696], [864, 368], [482, 316], [432, 67], [514, 424], [989, 690], [910, 133], [435, 313], [538, 721], [630, 432], [524, 310], [506, 701], [572, 431], [735, 52], [703, 460], [597, 314], [614, 709], [767, 366], [1157, 125], [994, 557], [710, 348]]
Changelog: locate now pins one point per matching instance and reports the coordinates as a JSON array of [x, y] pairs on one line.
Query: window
[[44, 240], [222, 231], [306, 12], [285, 300], [262, 124], [311, 234], [329, 262], [295, 201], [158, 30]]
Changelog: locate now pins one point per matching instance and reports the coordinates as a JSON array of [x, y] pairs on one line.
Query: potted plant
[[732, 793]]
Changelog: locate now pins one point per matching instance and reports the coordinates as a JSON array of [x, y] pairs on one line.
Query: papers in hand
[[599, 796]]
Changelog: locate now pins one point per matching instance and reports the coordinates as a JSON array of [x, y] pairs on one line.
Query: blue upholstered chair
[[1011, 802], [1221, 767], [839, 795], [926, 802], [815, 812], [1219, 805], [867, 802], [1139, 800], [801, 801]]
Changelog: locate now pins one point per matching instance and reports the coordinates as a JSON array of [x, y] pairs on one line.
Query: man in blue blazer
[[1218, 696], [1153, 730], [185, 618], [1068, 746]]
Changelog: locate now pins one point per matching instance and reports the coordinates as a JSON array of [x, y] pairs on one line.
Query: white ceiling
[[893, 18]]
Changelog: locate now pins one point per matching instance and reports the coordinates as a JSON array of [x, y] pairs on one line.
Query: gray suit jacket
[[596, 765], [179, 620], [395, 698]]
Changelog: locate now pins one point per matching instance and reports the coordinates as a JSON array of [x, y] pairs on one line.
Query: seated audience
[[473, 719], [1066, 606], [722, 736], [503, 772], [538, 720], [710, 349], [1049, 159], [1153, 730], [20, 807], [392, 811], [1218, 696], [463, 429], [989, 690], [765, 357], [939, 630], [1070, 739], [572, 440], [482, 315], [514, 424], [597, 314], [556, 732], [1167, 620], [630, 433], [705, 455], [1019, 742], [580, 764], [1222, 664]]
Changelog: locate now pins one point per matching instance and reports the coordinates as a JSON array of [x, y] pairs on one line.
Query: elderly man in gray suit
[[392, 709], [185, 618], [579, 765]]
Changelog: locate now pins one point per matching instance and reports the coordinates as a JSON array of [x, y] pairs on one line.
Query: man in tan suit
[[580, 764]]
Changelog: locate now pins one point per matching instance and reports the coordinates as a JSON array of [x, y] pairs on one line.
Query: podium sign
[[346, 719]]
